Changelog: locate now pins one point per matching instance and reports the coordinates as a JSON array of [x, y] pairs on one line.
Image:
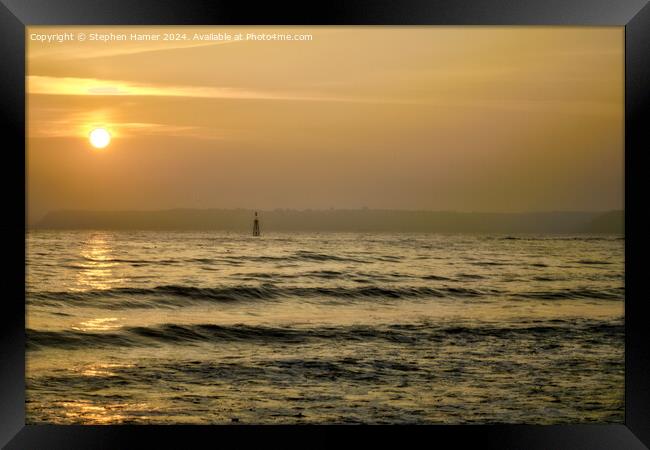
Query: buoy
[[256, 226]]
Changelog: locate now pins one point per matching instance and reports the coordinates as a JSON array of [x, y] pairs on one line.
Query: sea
[[179, 327]]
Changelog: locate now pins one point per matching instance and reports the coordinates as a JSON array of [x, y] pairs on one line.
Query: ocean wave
[[178, 296], [470, 276], [125, 261], [593, 262], [124, 296], [579, 293], [298, 256], [304, 255], [188, 334]]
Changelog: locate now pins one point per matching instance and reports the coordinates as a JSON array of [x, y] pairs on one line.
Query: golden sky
[[439, 118]]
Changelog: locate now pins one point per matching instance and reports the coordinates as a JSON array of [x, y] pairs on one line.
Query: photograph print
[[324, 225]]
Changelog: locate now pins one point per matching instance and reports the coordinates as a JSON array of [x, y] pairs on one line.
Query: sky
[[484, 119]]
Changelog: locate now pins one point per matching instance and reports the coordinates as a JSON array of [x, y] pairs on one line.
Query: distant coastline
[[351, 220]]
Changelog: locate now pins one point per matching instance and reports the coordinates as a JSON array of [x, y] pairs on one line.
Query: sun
[[99, 138]]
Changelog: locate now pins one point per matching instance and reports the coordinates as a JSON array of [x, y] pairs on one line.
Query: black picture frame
[[15, 15]]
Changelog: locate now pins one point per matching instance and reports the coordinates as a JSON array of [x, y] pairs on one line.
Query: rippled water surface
[[211, 327]]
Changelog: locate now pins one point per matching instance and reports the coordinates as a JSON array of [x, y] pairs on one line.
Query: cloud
[[107, 90], [76, 129], [72, 86], [47, 85], [60, 123], [92, 86]]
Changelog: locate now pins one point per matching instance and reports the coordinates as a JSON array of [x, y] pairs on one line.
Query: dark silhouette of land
[[605, 223], [359, 220]]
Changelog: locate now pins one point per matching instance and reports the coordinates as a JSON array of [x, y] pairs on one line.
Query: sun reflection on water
[[98, 266], [101, 369], [99, 324], [88, 412]]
